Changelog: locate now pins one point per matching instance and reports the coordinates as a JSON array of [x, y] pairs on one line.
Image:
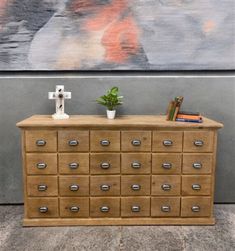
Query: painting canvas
[[117, 34]]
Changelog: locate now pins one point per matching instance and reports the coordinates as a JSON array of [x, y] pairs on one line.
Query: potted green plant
[[111, 100]]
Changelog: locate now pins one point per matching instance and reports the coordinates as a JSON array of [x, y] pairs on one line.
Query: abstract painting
[[117, 34]]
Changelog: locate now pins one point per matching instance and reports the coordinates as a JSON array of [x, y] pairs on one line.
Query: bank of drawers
[[76, 173]]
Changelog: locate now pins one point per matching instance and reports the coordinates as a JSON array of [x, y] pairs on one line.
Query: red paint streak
[[121, 34], [121, 40], [106, 15], [82, 6]]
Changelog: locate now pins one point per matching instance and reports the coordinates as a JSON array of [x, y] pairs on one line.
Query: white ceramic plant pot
[[111, 114]]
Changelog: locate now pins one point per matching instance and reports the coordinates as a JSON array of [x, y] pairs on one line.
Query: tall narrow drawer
[[74, 185], [136, 141], [166, 163], [195, 206], [135, 185], [41, 163], [136, 163], [196, 185], [166, 185], [42, 207], [105, 141], [74, 163], [105, 207], [41, 141], [195, 141], [197, 163], [74, 207], [165, 206], [73, 141], [105, 163], [167, 141], [135, 207], [108, 185], [42, 185]]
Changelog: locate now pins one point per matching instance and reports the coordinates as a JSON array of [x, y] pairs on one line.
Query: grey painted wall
[[23, 96]]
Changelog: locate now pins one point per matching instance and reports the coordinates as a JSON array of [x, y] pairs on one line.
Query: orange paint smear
[[106, 15], [209, 26], [121, 40], [3, 4]]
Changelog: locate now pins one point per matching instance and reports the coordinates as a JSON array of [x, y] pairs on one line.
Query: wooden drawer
[[197, 163], [42, 185], [135, 207], [73, 141], [105, 207], [135, 185], [166, 185], [105, 163], [195, 141], [165, 206], [167, 141], [42, 207], [74, 207], [136, 163], [196, 185], [41, 141], [136, 141], [41, 163], [105, 141], [74, 185], [108, 185], [196, 207], [166, 163], [74, 163]]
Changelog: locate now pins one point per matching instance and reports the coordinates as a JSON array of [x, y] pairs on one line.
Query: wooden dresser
[[134, 170]]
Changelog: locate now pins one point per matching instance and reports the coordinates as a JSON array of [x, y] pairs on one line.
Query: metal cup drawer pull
[[104, 209], [135, 209], [136, 187], [196, 187], [42, 188], [136, 142], [105, 165], [43, 209], [167, 165], [136, 165], [74, 187], [105, 142], [73, 142], [41, 142], [74, 209], [166, 209], [105, 187], [197, 165], [195, 209], [167, 142], [73, 165], [41, 165], [166, 187], [198, 143]]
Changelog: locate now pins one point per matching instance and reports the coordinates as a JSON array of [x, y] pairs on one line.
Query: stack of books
[[194, 117], [174, 113]]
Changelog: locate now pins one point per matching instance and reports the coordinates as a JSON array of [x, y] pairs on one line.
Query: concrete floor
[[164, 238]]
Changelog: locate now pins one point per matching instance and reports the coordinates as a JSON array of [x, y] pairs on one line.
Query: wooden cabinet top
[[100, 122]]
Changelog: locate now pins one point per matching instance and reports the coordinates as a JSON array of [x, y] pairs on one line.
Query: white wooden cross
[[59, 95]]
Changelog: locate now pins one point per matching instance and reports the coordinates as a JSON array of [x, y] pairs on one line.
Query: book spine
[[169, 110], [182, 116], [189, 120]]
